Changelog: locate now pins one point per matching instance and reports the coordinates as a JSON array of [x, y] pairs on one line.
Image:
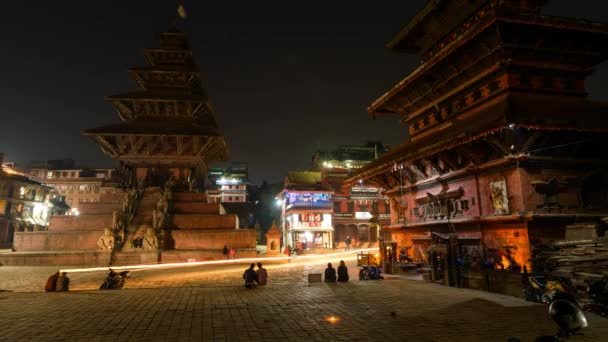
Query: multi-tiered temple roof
[[168, 121], [487, 67]]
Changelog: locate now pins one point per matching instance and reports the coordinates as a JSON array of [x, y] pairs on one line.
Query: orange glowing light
[[217, 262], [504, 262], [332, 319]]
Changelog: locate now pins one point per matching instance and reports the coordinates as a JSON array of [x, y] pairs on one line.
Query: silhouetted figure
[[262, 275], [51, 283], [250, 277], [342, 272], [330, 274], [63, 282]]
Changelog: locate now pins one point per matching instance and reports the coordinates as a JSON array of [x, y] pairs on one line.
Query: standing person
[[63, 282], [250, 277], [262, 274], [288, 250], [51, 283], [330, 274], [347, 243], [232, 253], [342, 272], [225, 252]]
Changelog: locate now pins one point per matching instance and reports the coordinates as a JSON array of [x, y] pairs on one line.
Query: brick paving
[[210, 304]]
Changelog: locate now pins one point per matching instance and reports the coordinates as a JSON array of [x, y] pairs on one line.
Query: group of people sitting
[[254, 278], [57, 282], [330, 273]]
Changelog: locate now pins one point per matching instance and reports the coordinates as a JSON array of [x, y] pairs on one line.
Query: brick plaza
[[210, 304]]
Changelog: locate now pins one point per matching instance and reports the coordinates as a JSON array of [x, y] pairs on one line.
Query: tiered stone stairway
[[147, 204]]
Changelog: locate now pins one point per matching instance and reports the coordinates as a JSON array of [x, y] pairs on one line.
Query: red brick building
[[505, 149]]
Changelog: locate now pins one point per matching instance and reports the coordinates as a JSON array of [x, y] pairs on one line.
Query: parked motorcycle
[[597, 297], [370, 273], [114, 280], [560, 294]]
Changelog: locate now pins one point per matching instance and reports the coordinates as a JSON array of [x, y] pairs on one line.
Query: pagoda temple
[[505, 149], [168, 128], [156, 214]]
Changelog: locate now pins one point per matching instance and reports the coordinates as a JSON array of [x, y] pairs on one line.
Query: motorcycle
[[534, 288], [114, 281], [370, 273], [597, 297], [560, 294]]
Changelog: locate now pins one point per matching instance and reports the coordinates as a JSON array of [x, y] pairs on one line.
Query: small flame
[[504, 262]]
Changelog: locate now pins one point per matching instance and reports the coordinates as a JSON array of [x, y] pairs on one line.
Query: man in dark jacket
[[63, 282], [250, 277], [330, 274]]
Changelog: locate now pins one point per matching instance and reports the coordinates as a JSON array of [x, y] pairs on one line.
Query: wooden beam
[[498, 144], [179, 145]]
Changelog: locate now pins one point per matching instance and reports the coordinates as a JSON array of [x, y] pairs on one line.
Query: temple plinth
[[168, 127]]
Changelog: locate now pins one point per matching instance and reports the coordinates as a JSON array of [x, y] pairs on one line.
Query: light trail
[[217, 262]]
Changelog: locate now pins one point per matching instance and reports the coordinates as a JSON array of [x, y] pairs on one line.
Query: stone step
[[71, 240], [196, 208], [116, 197], [99, 208], [134, 258], [81, 222], [189, 197], [142, 219], [203, 221]]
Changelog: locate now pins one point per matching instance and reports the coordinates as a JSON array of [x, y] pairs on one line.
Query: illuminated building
[[505, 149], [228, 183], [77, 185], [306, 209], [25, 205], [348, 157], [358, 209]]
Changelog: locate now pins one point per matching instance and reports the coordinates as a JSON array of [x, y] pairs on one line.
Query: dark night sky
[[284, 78]]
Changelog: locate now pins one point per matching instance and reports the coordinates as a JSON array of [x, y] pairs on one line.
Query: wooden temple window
[[494, 86], [416, 126], [477, 95], [426, 121]]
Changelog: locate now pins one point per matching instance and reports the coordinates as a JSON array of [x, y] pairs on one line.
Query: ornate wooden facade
[[167, 125], [505, 148]]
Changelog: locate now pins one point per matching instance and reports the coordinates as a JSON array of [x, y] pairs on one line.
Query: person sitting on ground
[[63, 282], [342, 272], [262, 274], [250, 277], [51, 283], [330, 274]]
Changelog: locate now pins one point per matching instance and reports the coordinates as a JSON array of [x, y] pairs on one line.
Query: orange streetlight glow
[[332, 319]]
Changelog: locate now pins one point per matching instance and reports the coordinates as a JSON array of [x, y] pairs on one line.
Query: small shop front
[[312, 239]]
